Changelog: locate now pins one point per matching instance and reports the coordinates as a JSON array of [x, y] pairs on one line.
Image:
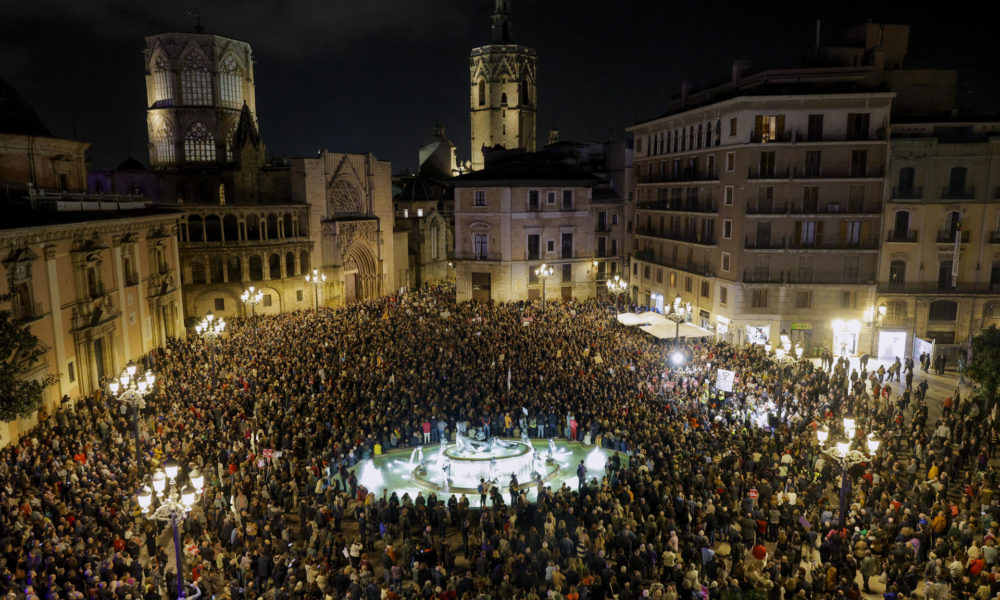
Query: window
[[857, 126], [815, 131], [944, 275], [730, 162], [230, 83], [897, 273], [480, 197], [852, 233], [852, 268], [956, 182], [767, 164], [758, 299], [550, 197], [768, 128], [705, 289], [710, 167], [907, 178], [729, 193], [638, 145], [534, 247], [645, 272], [503, 99], [732, 126], [196, 82], [220, 304], [803, 299], [859, 163], [896, 309], [567, 273], [856, 198], [726, 257], [71, 371], [659, 276], [533, 200], [723, 294], [727, 229], [673, 279], [199, 144], [550, 246], [848, 300], [266, 301], [687, 284], [812, 163], [806, 234], [567, 245], [298, 295], [479, 246], [482, 92], [163, 83], [901, 226], [806, 269], [567, 200], [708, 134], [614, 219], [420, 212], [810, 199], [163, 144], [995, 276], [942, 310]]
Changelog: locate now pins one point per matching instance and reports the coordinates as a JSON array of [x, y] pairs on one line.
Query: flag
[[508, 379]]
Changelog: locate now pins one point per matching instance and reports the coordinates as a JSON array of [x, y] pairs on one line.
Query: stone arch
[[253, 227], [234, 269], [196, 231], [231, 228], [217, 269], [287, 225], [274, 266], [290, 264], [256, 268], [272, 226], [361, 276], [213, 228]]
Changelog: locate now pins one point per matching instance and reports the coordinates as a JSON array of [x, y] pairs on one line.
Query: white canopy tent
[[646, 318], [669, 329]]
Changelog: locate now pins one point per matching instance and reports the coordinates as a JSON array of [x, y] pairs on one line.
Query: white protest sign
[[724, 380]]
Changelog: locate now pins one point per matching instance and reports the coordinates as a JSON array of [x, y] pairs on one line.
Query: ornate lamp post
[[617, 287], [132, 390], [842, 453], [252, 297], [210, 329], [679, 313], [543, 272], [316, 279], [171, 503]]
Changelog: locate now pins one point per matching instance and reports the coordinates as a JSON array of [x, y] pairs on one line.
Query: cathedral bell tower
[[503, 99]]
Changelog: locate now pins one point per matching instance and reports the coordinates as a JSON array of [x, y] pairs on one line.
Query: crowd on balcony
[[707, 494]]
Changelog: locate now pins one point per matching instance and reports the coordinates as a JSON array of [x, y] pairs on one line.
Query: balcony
[[702, 270], [907, 237], [826, 279], [602, 228], [938, 287], [131, 279], [804, 173], [759, 138], [26, 312], [835, 208], [769, 173], [909, 193], [948, 237], [696, 206], [869, 244], [763, 209], [482, 257], [684, 176], [687, 237], [950, 193], [763, 276], [764, 243]]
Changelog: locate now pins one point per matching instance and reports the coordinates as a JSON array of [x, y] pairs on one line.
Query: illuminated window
[[163, 83], [196, 82], [163, 144], [230, 83], [199, 144]]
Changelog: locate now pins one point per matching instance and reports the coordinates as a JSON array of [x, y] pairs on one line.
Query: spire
[[501, 23], [246, 129]]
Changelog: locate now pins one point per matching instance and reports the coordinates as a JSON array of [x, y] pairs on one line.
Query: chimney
[[739, 68]]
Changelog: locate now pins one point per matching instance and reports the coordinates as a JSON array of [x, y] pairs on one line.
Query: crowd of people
[[701, 499]]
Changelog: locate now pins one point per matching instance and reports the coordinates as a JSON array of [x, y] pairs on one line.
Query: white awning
[[646, 318], [669, 330]]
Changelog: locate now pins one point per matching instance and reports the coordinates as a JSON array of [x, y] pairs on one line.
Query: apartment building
[[939, 271]]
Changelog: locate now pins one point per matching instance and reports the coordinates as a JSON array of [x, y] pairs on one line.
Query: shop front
[[845, 337], [758, 333]]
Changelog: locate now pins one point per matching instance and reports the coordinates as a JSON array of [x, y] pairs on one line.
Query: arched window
[[482, 92], [196, 82], [942, 310], [304, 262], [199, 144], [234, 269], [290, 264], [287, 225], [435, 235], [196, 231], [503, 99], [525, 94], [901, 226], [718, 131], [668, 142], [231, 228], [699, 134], [272, 226], [217, 269], [229, 144], [253, 227], [163, 144], [708, 134], [213, 228], [274, 267], [163, 82], [256, 268], [230, 83], [897, 273]]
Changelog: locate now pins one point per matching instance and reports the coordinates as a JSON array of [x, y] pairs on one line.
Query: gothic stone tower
[[197, 85], [503, 91]]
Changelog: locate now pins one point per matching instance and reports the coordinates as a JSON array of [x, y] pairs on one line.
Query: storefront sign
[[802, 326]]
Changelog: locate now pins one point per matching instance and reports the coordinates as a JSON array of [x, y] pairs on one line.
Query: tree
[[20, 349], [984, 368]]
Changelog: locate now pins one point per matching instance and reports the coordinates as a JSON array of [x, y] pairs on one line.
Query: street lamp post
[[131, 390], [171, 503], [617, 287], [252, 297], [783, 359], [210, 329], [543, 272], [679, 313], [316, 279], [842, 453]]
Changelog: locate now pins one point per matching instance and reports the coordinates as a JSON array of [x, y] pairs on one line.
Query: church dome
[[16, 116]]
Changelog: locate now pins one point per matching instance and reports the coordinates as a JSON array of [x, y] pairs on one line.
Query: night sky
[[376, 75]]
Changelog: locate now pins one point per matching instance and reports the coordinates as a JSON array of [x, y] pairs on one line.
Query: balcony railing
[[949, 193], [948, 237], [703, 270], [767, 209], [698, 206], [939, 287], [835, 208], [804, 173], [131, 278], [768, 173], [910, 193], [826, 279], [755, 243], [868, 244], [755, 276], [684, 176], [27, 312], [901, 236], [690, 238]]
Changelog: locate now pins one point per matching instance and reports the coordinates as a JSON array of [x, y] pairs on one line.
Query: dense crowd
[[704, 497]]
